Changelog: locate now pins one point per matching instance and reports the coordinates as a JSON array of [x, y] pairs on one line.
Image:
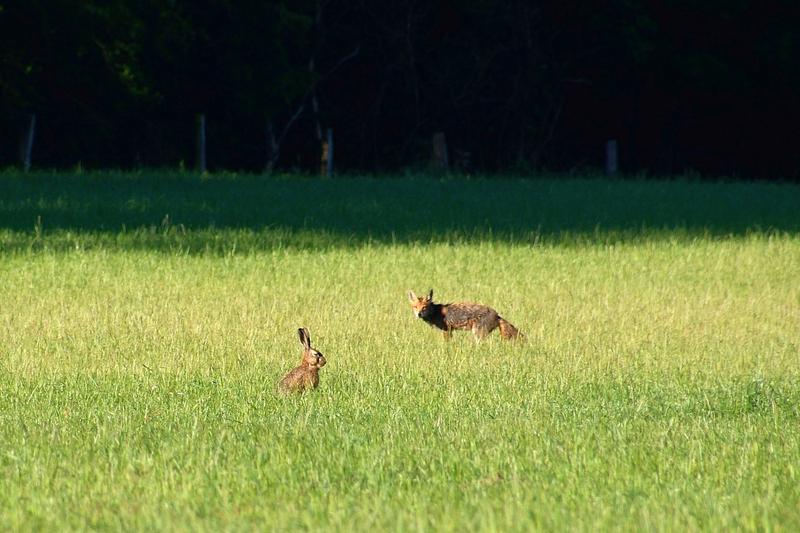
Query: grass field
[[146, 318]]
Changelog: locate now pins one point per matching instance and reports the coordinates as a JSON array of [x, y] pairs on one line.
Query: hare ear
[[430, 295], [305, 338], [412, 297]]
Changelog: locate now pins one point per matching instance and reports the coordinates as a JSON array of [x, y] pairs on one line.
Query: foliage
[[683, 85]]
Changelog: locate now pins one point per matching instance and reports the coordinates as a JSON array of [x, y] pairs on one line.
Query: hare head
[[312, 359]]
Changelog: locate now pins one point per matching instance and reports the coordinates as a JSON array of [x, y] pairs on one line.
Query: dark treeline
[[682, 85]]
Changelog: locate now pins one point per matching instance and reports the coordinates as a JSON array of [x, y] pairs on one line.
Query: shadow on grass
[[180, 211]]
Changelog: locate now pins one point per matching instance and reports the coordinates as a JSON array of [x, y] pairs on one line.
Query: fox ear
[[412, 297], [305, 338], [430, 295]]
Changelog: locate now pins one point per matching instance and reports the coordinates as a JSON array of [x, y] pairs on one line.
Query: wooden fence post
[[271, 146], [440, 151], [26, 142], [200, 159], [611, 157], [329, 168], [326, 161]]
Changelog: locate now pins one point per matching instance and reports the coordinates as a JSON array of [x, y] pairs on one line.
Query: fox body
[[478, 318]]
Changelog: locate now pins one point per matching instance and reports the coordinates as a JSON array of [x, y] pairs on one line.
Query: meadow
[[145, 319]]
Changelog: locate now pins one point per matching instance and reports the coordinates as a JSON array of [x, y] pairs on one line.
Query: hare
[[305, 376]]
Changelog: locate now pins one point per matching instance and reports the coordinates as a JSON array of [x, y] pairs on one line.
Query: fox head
[[421, 305], [311, 358]]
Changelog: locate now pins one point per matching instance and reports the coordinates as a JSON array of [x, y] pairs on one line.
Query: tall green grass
[[659, 386]]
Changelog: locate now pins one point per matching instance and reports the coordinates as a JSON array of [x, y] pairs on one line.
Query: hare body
[[306, 375]]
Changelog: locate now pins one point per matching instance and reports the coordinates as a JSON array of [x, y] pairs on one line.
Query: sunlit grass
[[659, 387]]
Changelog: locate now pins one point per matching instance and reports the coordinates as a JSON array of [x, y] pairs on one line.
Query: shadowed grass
[[227, 213]]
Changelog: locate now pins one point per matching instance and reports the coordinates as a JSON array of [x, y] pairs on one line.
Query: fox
[[480, 319]]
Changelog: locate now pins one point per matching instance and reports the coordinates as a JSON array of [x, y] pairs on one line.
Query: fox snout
[[424, 312]]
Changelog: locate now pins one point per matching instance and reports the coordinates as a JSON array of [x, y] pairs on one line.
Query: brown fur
[[478, 318], [305, 376]]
